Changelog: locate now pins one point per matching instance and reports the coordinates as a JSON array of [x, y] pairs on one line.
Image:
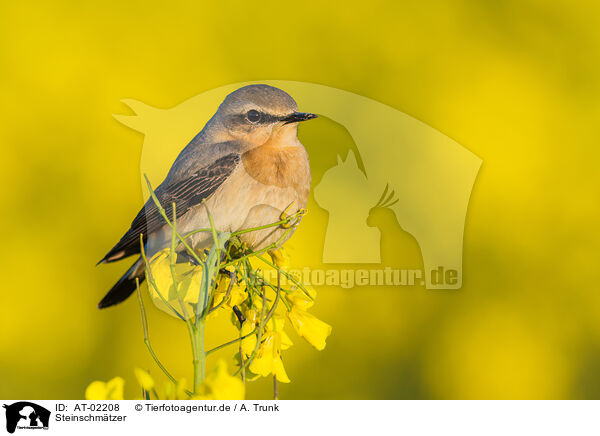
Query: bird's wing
[[185, 194]]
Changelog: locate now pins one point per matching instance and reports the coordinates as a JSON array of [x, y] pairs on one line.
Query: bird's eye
[[253, 116]]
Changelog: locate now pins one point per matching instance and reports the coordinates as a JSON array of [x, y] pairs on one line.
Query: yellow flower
[[219, 385], [274, 339], [144, 379], [276, 324], [111, 390], [187, 276], [175, 391], [300, 300], [268, 360], [309, 327], [237, 295], [280, 258], [249, 343]]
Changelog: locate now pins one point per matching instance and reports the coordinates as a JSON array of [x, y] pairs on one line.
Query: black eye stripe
[[268, 118], [265, 118]]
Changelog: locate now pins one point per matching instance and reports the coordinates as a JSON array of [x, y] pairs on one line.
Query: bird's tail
[[125, 286]]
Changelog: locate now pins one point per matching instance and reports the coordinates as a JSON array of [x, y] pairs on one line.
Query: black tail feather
[[125, 286]]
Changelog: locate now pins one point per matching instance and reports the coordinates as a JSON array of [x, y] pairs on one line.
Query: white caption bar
[[297, 417]]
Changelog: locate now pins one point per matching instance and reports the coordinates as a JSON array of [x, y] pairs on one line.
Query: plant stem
[[233, 341], [287, 276], [163, 213], [198, 351], [266, 226], [259, 334], [147, 335], [211, 267], [275, 388], [258, 252]]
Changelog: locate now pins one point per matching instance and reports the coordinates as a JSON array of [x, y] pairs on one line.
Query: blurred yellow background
[[515, 82]]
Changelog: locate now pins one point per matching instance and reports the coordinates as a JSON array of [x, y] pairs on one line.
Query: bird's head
[[256, 114]]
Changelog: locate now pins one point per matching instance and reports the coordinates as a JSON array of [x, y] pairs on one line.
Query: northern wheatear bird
[[249, 166]]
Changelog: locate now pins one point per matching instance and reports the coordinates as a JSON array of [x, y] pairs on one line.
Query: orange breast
[[279, 166]]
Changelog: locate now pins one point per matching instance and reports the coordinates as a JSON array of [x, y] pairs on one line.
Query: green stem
[[151, 282], [252, 229], [266, 226], [147, 337], [173, 261], [199, 354], [196, 327], [287, 276], [259, 334], [163, 213], [259, 252], [233, 341]]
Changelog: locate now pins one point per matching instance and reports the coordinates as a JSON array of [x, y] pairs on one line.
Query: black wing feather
[[185, 194]]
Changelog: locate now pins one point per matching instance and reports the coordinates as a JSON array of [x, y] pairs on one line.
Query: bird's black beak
[[297, 117]]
